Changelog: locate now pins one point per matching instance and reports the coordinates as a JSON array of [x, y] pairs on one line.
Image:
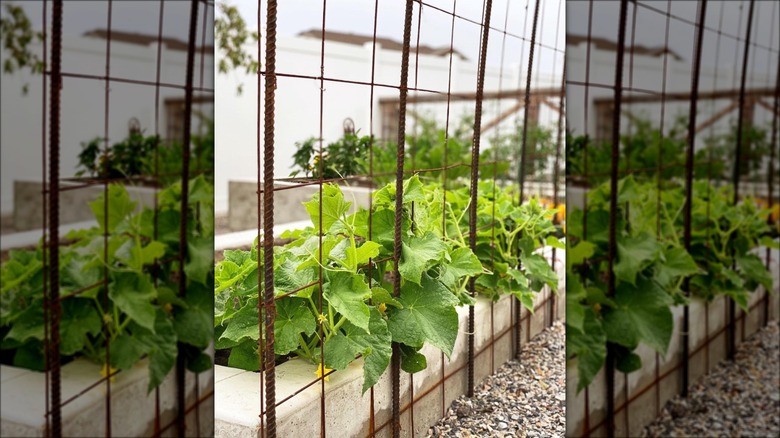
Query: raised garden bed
[[288, 204], [74, 204], [347, 412], [24, 402]]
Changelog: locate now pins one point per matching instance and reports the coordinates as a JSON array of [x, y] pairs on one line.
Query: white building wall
[[83, 102], [297, 101], [648, 75]]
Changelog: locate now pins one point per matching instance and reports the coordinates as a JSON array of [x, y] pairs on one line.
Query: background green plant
[[145, 315], [652, 264]]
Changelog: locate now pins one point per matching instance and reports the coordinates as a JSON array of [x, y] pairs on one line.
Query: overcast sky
[[130, 16], [357, 16], [729, 16]]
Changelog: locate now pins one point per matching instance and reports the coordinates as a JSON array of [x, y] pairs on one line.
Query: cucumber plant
[[357, 315], [652, 264], [137, 309]]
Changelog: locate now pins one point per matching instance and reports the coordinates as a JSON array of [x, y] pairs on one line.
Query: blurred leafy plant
[[144, 316], [231, 35], [346, 157], [17, 35]]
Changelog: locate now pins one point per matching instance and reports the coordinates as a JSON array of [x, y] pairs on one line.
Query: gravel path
[[522, 399], [740, 398]]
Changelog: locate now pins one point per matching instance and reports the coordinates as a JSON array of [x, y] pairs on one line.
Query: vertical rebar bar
[[269, 306], [613, 205], [522, 164], [475, 186], [183, 234], [688, 201], [55, 310], [738, 166]]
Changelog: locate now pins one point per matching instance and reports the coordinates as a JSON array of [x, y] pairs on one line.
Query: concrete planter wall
[[288, 204], [132, 409], [74, 207], [347, 412], [644, 392]]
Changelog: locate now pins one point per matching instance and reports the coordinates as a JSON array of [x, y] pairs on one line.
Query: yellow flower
[[106, 370], [382, 307], [320, 372]]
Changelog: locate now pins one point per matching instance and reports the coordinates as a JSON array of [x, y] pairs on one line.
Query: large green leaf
[[575, 312], [428, 315], [347, 293], [288, 277], [333, 207], [245, 356], [375, 347], [194, 326], [200, 259], [463, 263], [412, 361], [245, 324], [418, 254], [120, 206], [641, 314], [126, 350], [79, 319], [753, 268], [589, 347], [162, 348], [135, 256], [293, 318], [539, 271], [677, 263], [133, 294], [634, 254]]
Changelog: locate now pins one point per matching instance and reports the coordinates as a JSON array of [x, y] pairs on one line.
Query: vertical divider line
[[156, 429], [372, 409], [55, 310], [689, 187], [737, 166], [269, 306], [488, 6], [659, 159], [770, 184], [522, 165], [613, 205], [320, 164], [44, 249], [180, 360], [586, 92], [395, 361], [260, 193], [106, 308], [444, 177], [556, 165]]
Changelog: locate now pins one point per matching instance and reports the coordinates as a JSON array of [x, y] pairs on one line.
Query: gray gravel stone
[[522, 399], [737, 399]]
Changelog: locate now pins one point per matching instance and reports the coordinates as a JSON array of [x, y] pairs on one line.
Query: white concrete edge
[[23, 397], [32, 237], [238, 239]]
